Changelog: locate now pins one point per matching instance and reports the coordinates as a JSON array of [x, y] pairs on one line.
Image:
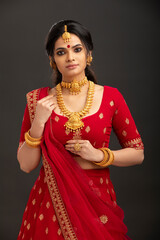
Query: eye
[[60, 53], [78, 49]]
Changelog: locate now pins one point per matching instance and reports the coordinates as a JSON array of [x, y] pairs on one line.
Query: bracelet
[[32, 142], [108, 158]]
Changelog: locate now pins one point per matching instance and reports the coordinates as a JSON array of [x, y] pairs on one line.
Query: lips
[[71, 66]]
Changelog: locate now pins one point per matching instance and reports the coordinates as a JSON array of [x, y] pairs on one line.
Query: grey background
[[126, 36]]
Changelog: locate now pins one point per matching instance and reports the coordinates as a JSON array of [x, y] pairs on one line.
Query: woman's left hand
[[84, 149]]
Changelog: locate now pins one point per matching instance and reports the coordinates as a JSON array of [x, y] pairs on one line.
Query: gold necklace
[[74, 86], [74, 122]]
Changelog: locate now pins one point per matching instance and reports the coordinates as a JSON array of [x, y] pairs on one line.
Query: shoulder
[[37, 94], [112, 92]]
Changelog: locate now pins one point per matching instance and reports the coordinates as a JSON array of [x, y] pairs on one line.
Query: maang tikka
[[66, 35]]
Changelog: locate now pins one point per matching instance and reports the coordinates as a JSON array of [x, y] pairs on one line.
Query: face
[[70, 57]]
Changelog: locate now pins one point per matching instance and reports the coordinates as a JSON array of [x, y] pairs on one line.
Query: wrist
[[98, 156], [36, 130]]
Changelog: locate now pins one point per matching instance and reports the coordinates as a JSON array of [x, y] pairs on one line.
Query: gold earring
[[52, 64], [89, 60]]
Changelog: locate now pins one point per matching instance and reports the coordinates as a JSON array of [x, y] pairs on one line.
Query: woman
[[70, 126]]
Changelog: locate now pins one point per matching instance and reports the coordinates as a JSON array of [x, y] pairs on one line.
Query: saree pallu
[[68, 202]]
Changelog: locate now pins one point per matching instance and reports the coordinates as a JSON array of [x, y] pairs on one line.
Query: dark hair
[[76, 28]]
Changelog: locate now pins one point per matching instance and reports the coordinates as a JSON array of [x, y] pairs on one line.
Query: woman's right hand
[[44, 109]]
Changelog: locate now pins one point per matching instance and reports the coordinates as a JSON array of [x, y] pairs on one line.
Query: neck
[[78, 77]]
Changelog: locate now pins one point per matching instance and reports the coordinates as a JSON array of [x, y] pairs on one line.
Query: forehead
[[73, 41]]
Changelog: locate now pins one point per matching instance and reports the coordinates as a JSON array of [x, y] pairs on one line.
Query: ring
[[77, 146]]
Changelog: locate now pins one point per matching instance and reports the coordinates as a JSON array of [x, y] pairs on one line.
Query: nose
[[69, 57]]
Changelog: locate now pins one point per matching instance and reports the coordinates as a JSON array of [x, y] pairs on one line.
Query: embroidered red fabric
[[83, 209]]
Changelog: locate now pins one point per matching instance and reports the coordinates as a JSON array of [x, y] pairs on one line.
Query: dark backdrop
[[126, 36]]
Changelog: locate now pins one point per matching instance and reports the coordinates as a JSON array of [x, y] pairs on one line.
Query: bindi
[[68, 46]]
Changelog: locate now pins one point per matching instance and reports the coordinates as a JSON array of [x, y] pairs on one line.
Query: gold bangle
[[32, 142], [108, 158], [105, 159], [111, 158], [31, 138]]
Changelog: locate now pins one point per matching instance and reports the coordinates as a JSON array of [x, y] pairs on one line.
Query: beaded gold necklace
[[74, 122]]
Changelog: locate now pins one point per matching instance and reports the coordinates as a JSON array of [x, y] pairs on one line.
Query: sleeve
[[124, 125], [26, 125]]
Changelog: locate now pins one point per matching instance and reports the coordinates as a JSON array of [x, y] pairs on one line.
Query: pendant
[[74, 122], [75, 87]]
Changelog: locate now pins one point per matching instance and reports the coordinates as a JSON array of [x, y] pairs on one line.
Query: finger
[[76, 141]]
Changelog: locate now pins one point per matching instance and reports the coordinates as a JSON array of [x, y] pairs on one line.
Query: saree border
[[32, 98], [58, 205]]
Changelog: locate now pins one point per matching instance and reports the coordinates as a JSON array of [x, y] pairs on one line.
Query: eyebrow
[[72, 47]]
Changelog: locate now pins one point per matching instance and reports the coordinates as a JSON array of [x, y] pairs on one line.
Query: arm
[[27, 156], [127, 134]]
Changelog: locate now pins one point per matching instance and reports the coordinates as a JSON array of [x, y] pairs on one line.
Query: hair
[[79, 30]]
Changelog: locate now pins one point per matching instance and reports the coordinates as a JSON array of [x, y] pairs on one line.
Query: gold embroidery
[[77, 134], [124, 133], [101, 115], [127, 121], [61, 212], [56, 118], [54, 218], [107, 181], [25, 222], [94, 144], [87, 129], [101, 180], [104, 130], [41, 217], [32, 98], [108, 191], [134, 143], [111, 103], [46, 231], [59, 232], [137, 131], [23, 236], [103, 145], [34, 187], [34, 201], [112, 190], [26, 209], [116, 111], [67, 131], [104, 219], [39, 177], [47, 205], [35, 215], [28, 226], [40, 191], [114, 203]]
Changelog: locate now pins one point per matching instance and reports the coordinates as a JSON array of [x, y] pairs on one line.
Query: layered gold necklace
[[74, 122]]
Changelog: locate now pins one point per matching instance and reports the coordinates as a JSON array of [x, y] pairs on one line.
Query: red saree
[[66, 201]]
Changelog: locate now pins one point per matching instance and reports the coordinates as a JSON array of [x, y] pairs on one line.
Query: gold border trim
[[32, 98], [60, 210], [134, 143]]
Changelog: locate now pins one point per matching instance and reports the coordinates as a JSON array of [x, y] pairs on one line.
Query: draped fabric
[[66, 202]]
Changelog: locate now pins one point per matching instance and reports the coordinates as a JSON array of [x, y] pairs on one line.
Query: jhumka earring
[[89, 60], [52, 63], [66, 35]]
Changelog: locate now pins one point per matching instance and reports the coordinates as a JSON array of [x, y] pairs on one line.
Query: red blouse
[[113, 113]]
